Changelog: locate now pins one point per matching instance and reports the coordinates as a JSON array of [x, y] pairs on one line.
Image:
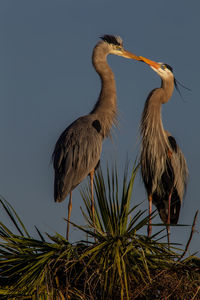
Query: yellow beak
[[149, 62], [130, 55]]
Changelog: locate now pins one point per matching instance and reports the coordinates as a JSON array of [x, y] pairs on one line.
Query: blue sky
[[47, 81]]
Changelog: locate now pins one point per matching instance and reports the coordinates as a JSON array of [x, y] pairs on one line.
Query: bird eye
[[163, 67], [119, 48]]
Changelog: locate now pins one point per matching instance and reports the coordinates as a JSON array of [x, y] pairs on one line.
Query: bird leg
[[168, 218], [92, 195], [149, 229], [69, 214]]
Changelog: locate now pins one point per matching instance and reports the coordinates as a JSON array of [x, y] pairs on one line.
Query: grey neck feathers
[[152, 130], [155, 143], [168, 87], [105, 107]]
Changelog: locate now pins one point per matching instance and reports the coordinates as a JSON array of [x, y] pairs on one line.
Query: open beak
[[149, 62]]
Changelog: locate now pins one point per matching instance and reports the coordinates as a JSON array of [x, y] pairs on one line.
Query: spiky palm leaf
[[110, 267], [121, 254], [31, 267]]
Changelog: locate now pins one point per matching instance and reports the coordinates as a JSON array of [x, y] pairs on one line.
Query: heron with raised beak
[[163, 166]]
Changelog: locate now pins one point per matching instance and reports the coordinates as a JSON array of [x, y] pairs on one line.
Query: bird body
[[163, 166], [77, 153], [78, 149]]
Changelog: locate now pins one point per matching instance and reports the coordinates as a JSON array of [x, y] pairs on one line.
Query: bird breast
[[77, 152]]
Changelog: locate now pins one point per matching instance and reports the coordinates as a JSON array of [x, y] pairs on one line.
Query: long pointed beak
[[149, 62], [130, 55]]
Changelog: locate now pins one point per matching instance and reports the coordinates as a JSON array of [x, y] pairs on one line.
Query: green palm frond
[[31, 267], [120, 252], [111, 213], [14, 218], [115, 263]]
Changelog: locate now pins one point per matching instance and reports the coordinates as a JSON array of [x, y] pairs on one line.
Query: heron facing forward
[[163, 166]]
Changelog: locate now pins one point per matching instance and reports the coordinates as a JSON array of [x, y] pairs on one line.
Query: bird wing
[[179, 166], [176, 177], [76, 153], [173, 181]]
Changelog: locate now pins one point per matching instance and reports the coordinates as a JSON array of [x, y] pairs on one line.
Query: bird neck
[[167, 85], [151, 117], [155, 145], [106, 105]]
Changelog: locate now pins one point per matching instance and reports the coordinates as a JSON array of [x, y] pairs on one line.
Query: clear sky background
[[47, 81]]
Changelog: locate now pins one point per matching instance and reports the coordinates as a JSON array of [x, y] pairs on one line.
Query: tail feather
[[60, 189], [162, 205]]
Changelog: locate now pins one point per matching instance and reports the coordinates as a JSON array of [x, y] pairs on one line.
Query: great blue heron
[[78, 149], [163, 166]]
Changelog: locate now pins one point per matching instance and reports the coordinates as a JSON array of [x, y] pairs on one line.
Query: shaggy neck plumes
[[155, 143], [152, 131], [105, 107]]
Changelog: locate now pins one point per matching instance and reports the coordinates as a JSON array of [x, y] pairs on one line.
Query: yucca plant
[[34, 267], [120, 254], [116, 262]]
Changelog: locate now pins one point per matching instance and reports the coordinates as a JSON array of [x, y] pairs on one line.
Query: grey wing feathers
[[179, 166], [76, 153], [179, 173]]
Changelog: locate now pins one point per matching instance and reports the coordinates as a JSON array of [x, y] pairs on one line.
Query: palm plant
[[121, 255], [33, 267], [117, 261]]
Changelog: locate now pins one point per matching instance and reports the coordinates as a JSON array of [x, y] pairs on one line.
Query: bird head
[[165, 71], [115, 45]]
